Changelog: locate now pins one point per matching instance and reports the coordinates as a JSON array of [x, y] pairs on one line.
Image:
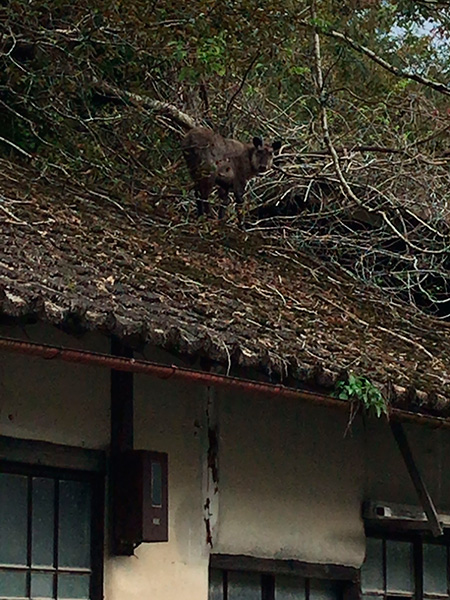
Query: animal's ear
[[276, 145], [257, 142]]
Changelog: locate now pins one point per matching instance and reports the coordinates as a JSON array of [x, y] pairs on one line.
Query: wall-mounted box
[[141, 498]]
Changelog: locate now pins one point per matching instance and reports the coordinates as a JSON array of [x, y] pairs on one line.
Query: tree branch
[[323, 113], [431, 83], [18, 148], [238, 91], [164, 108]]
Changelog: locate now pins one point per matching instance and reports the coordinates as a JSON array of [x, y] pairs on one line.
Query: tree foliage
[[80, 84]]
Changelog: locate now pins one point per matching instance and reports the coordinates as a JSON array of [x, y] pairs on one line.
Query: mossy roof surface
[[239, 298]]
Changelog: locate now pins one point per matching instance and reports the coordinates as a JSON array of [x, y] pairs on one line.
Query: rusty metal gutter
[[174, 372]]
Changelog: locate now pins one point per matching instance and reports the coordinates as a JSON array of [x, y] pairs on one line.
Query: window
[[406, 567], [242, 585], [50, 533]]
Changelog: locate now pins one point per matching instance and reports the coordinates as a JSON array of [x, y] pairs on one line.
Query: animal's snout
[[262, 168]]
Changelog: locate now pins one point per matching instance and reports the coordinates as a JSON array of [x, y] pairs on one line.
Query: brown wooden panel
[[239, 562]]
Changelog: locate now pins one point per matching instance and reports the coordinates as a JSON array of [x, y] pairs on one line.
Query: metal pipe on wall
[[160, 371]]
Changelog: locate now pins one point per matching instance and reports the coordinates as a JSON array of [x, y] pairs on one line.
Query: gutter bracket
[[419, 484]]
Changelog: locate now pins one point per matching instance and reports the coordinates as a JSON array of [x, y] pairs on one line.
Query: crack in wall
[[210, 506]]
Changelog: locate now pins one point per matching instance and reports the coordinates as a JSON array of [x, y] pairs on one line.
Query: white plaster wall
[[51, 400], [386, 476], [70, 404], [290, 484], [169, 417]]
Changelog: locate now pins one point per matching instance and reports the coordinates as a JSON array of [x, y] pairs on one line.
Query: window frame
[[347, 578], [417, 538], [96, 480]]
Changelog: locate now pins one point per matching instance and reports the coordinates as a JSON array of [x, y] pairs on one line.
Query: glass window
[[43, 518], [46, 525], [399, 567], [13, 584], [289, 588], [239, 585], [405, 568], [435, 567], [42, 585], [73, 586], [244, 586], [74, 524], [324, 590], [13, 519], [372, 570], [216, 584]]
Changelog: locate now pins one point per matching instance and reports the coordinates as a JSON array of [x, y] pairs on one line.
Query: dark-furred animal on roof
[[215, 161]]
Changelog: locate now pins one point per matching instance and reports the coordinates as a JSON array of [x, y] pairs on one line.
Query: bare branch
[[164, 108], [244, 77], [323, 113], [431, 83], [16, 147]]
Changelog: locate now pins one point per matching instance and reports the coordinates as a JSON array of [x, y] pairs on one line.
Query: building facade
[[265, 493]]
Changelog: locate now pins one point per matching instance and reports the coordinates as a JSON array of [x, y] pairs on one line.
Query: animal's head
[[224, 172], [262, 155]]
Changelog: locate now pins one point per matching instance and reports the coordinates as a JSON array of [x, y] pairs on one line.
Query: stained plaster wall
[[51, 400], [290, 483], [290, 486], [69, 404], [386, 477], [169, 417]]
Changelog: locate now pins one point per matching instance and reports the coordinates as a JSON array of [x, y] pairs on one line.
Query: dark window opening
[[51, 529], [405, 567], [248, 585]]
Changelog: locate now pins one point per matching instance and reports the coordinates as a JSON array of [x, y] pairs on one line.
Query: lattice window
[[50, 536]]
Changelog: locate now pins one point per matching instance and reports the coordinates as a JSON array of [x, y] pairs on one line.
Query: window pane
[[434, 569], [74, 524], [41, 585], [13, 584], [244, 586], [13, 519], [324, 590], [399, 567], [215, 584], [289, 588], [43, 522], [156, 484], [372, 568], [73, 586]]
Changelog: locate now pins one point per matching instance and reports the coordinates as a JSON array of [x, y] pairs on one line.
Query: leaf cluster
[[361, 390]]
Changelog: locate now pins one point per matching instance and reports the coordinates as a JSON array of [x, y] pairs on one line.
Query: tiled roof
[[208, 289]]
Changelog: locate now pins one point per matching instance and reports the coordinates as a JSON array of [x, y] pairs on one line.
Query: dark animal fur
[[214, 161]]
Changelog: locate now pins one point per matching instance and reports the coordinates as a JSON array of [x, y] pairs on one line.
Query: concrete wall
[[290, 486]]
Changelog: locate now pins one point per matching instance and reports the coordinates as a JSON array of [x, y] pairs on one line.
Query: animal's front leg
[[223, 196], [203, 207], [239, 197]]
